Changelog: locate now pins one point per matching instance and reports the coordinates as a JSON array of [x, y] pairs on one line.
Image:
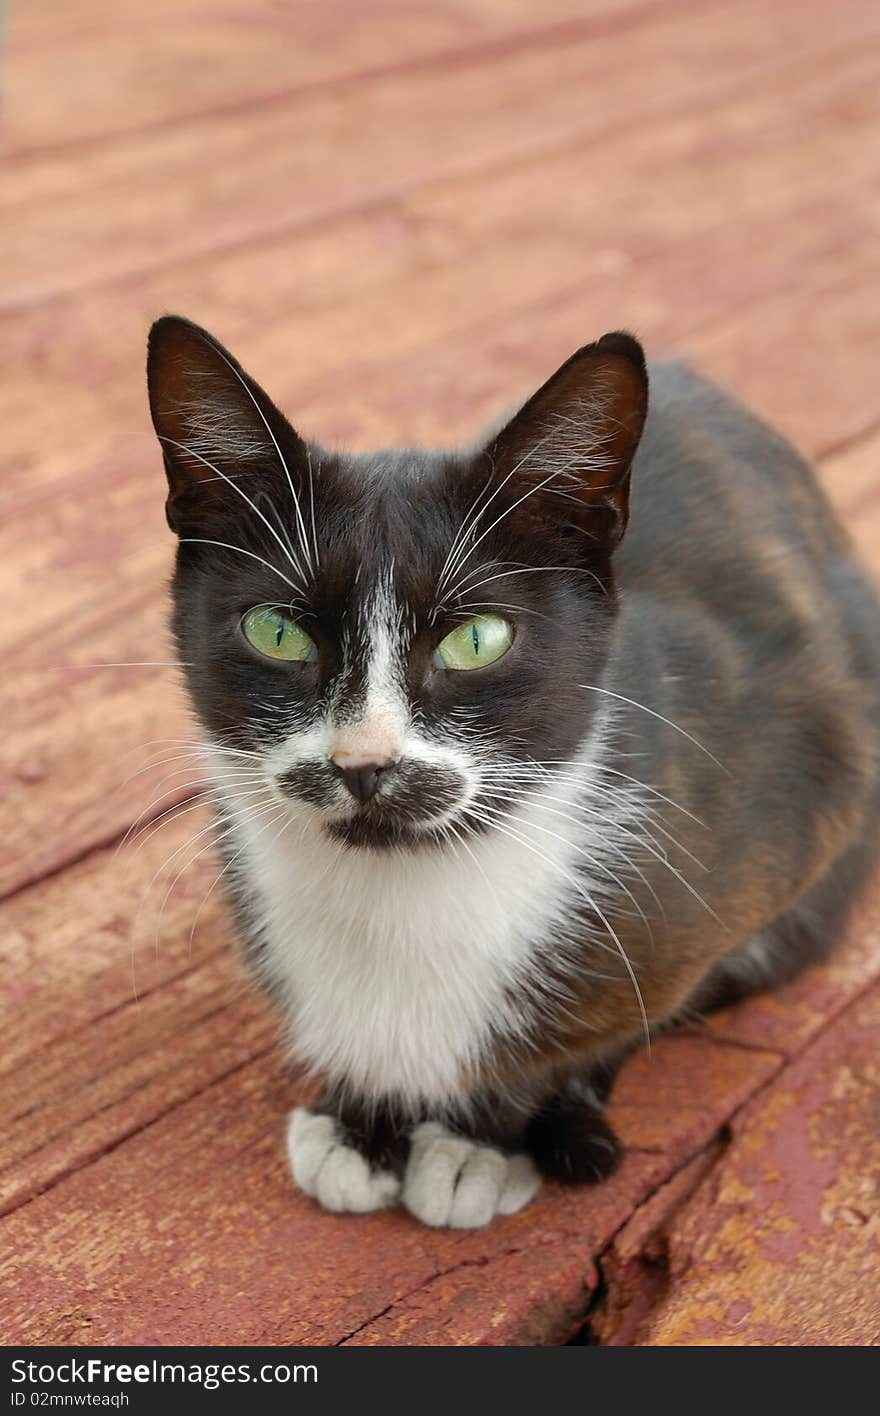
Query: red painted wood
[[401, 222]]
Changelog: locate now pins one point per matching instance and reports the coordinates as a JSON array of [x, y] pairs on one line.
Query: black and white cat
[[502, 792]]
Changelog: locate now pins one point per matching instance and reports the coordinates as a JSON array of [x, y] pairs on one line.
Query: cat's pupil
[[279, 632], [475, 636]]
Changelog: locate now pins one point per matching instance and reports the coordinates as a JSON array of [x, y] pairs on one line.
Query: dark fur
[[733, 608]]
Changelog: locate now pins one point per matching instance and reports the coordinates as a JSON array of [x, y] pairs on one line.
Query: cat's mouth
[[367, 831], [410, 811]]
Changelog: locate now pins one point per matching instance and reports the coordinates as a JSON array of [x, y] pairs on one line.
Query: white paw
[[331, 1172], [453, 1182]]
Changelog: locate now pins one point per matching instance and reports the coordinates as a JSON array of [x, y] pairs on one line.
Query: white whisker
[[593, 688], [142, 664], [288, 550], [225, 545], [504, 828], [299, 516]]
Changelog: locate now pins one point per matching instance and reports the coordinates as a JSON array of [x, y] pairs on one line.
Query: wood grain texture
[[779, 1244], [307, 304], [217, 181], [401, 217], [84, 72]]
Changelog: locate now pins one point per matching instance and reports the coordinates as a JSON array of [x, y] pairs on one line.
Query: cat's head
[[396, 641]]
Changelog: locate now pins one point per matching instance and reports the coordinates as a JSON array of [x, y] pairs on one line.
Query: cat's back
[[728, 522], [747, 622], [715, 486]]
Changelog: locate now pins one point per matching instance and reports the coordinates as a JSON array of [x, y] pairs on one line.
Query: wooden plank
[[125, 997], [304, 306], [779, 1244], [215, 182], [43, 23], [83, 72], [83, 944]]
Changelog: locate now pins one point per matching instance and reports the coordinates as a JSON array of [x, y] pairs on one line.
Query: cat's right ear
[[214, 423], [566, 455]]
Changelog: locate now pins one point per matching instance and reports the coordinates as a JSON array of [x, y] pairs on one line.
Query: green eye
[[276, 635], [477, 643]]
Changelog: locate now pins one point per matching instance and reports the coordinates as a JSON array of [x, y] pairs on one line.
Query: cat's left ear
[[213, 420], [568, 452]]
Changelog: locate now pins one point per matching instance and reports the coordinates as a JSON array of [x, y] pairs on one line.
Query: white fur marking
[[385, 716], [395, 970], [217, 428], [455, 1183], [329, 1171]]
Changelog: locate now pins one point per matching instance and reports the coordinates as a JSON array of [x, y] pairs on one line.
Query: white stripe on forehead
[[378, 730]]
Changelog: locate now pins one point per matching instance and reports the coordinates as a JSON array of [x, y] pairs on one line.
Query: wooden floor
[[401, 215]]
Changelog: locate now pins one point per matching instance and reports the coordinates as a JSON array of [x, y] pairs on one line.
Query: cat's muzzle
[[406, 803]]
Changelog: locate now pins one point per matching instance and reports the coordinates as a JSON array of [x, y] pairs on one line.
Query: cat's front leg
[[444, 1178], [349, 1161], [354, 1160], [568, 1136], [462, 1178], [456, 1174]]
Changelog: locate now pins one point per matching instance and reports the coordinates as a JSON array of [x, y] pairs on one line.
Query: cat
[[513, 770]]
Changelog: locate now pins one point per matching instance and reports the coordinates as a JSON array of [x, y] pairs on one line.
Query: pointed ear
[[212, 420], [572, 444]]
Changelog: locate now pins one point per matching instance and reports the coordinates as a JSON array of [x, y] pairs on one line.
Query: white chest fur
[[397, 968]]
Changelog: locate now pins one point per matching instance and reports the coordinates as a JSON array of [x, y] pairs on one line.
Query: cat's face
[[394, 643]]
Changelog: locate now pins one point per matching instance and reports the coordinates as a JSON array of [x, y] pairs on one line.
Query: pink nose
[[343, 758]]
